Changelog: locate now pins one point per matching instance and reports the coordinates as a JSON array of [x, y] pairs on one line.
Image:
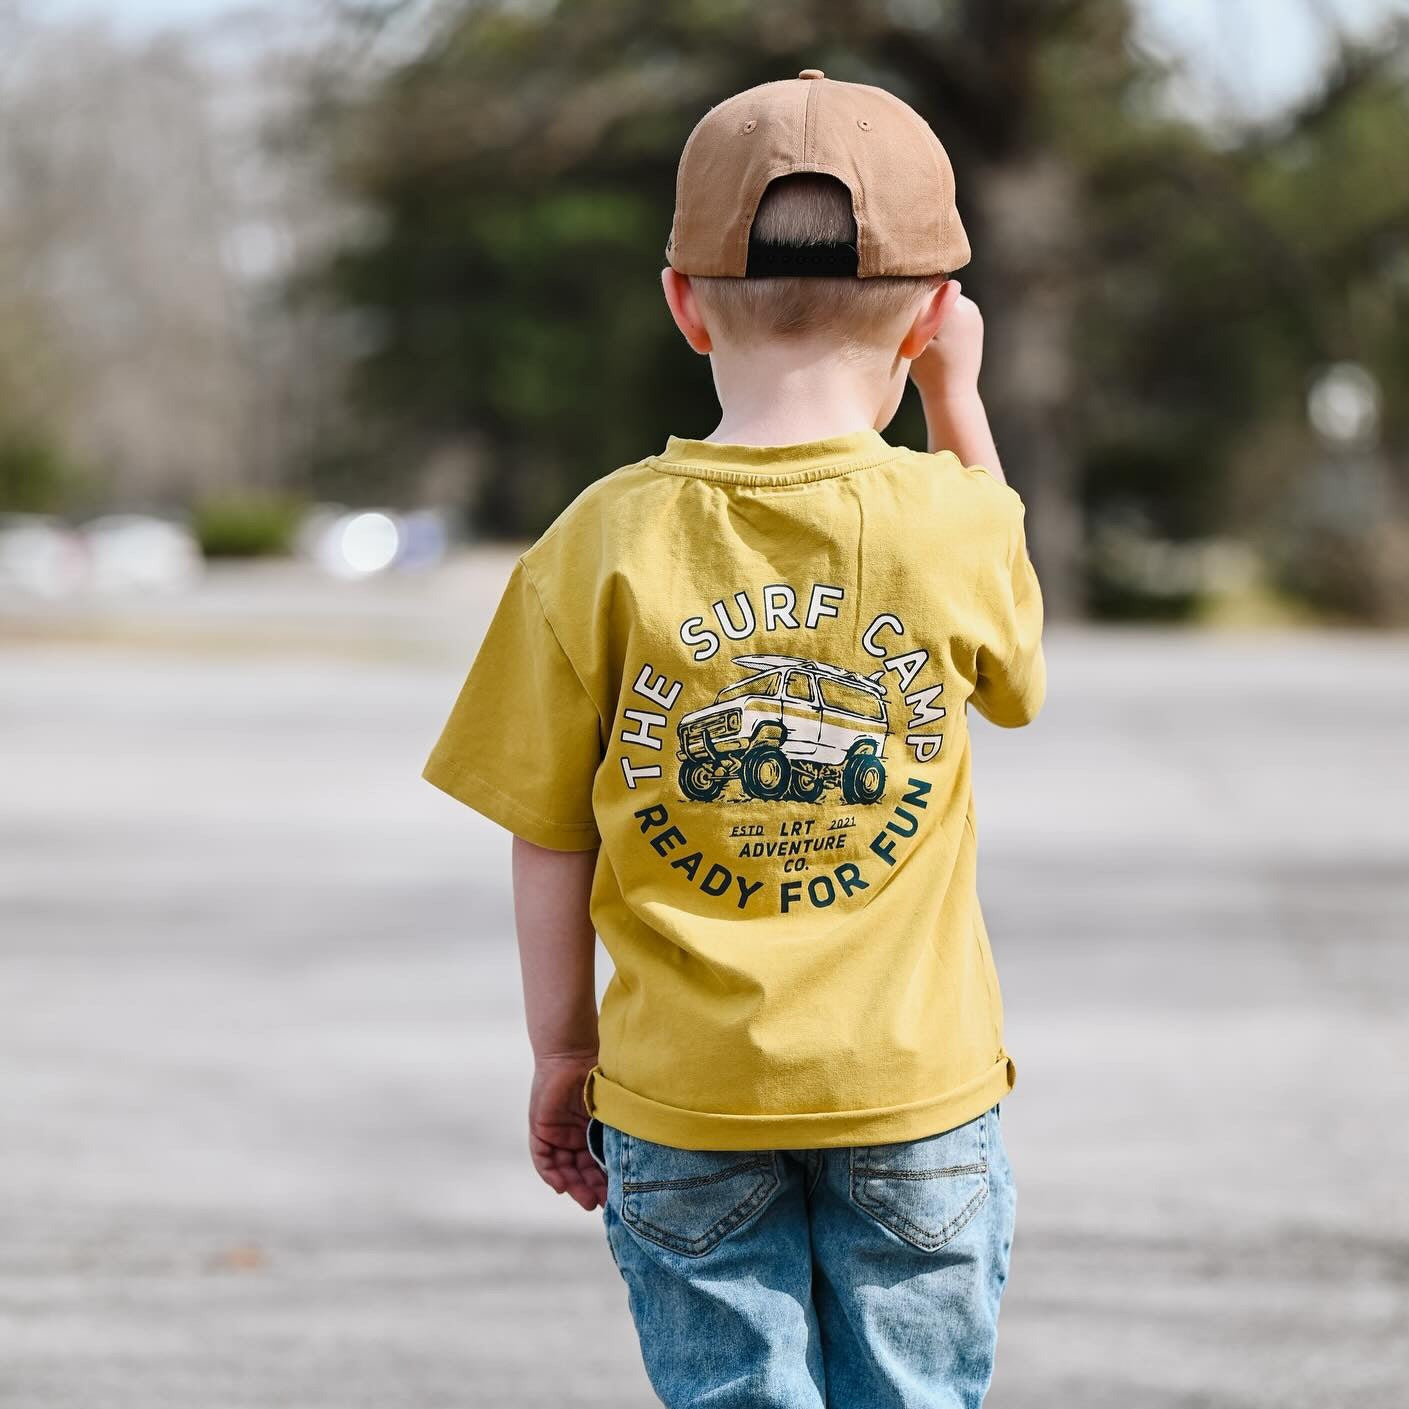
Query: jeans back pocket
[[691, 1200], [924, 1191]]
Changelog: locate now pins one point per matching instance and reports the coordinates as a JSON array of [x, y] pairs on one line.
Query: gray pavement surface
[[262, 1068]]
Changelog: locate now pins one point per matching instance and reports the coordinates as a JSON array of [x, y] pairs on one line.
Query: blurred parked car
[[136, 551], [40, 556]]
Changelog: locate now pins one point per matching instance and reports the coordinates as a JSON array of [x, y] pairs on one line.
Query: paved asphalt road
[[262, 1068]]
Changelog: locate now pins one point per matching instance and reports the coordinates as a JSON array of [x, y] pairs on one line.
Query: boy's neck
[[796, 396]]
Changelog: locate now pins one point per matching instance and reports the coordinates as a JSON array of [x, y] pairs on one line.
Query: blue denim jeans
[[856, 1278]]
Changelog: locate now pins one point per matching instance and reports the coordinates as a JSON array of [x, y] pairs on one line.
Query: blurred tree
[[1228, 273], [1152, 295], [34, 476]]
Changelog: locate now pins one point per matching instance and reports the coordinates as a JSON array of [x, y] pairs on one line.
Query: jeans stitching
[[645, 1186], [888, 1217], [717, 1231], [714, 1234], [949, 1172], [920, 1237]]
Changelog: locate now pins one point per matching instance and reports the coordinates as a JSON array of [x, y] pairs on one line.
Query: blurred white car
[[39, 556], [136, 551]]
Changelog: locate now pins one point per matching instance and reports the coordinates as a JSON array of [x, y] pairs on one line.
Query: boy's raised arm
[[557, 956], [946, 376], [1012, 672]]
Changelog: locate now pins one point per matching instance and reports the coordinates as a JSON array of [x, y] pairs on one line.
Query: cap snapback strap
[[834, 261]]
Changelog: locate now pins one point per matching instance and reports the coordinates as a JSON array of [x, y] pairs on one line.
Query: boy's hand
[[946, 376], [557, 1129], [951, 360]]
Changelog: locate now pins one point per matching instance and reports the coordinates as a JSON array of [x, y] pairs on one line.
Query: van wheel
[[699, 782], [807, 786], [863, 778], [765, 772]]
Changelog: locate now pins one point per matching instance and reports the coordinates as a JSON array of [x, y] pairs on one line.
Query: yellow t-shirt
[[743, 672]]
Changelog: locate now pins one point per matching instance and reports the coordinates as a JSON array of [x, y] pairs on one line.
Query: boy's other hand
[[557, 1129], [951, 359]]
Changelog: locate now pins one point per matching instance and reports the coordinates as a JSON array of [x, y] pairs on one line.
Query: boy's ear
[[685, 309], [932, 313]]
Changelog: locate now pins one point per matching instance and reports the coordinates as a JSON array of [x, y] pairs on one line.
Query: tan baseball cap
[[882, 150]]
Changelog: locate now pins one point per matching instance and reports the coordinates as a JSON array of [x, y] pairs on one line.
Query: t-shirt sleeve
[[523, 741], [1012, 672]]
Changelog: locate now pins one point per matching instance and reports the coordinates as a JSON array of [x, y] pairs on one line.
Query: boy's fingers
[[593, 1177], [586, 1198], [552, 1169], [582, 1174], [570, 1171], [549, 1152], [583, 1189], [552, 1179]]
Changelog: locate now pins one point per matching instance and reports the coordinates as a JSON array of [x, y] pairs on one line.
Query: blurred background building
[[307, 313]]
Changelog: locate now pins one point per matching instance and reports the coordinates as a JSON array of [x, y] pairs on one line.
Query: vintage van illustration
[[793, 728]]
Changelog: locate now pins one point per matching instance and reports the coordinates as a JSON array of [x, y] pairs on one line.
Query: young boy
[[722, 708]]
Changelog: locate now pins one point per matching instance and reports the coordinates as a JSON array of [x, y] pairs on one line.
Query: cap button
[[812, 73]]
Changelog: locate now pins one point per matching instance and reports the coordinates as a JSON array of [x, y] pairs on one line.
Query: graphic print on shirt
[[792, 728], [820, 760]]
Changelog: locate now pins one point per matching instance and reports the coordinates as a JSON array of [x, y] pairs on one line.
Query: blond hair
[[807, 209]]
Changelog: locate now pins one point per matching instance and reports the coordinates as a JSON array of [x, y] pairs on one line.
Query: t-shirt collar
[[775, 464]]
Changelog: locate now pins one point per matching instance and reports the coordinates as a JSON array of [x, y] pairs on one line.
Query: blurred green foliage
[[1157, 293], [35, 475], [247, 525]]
